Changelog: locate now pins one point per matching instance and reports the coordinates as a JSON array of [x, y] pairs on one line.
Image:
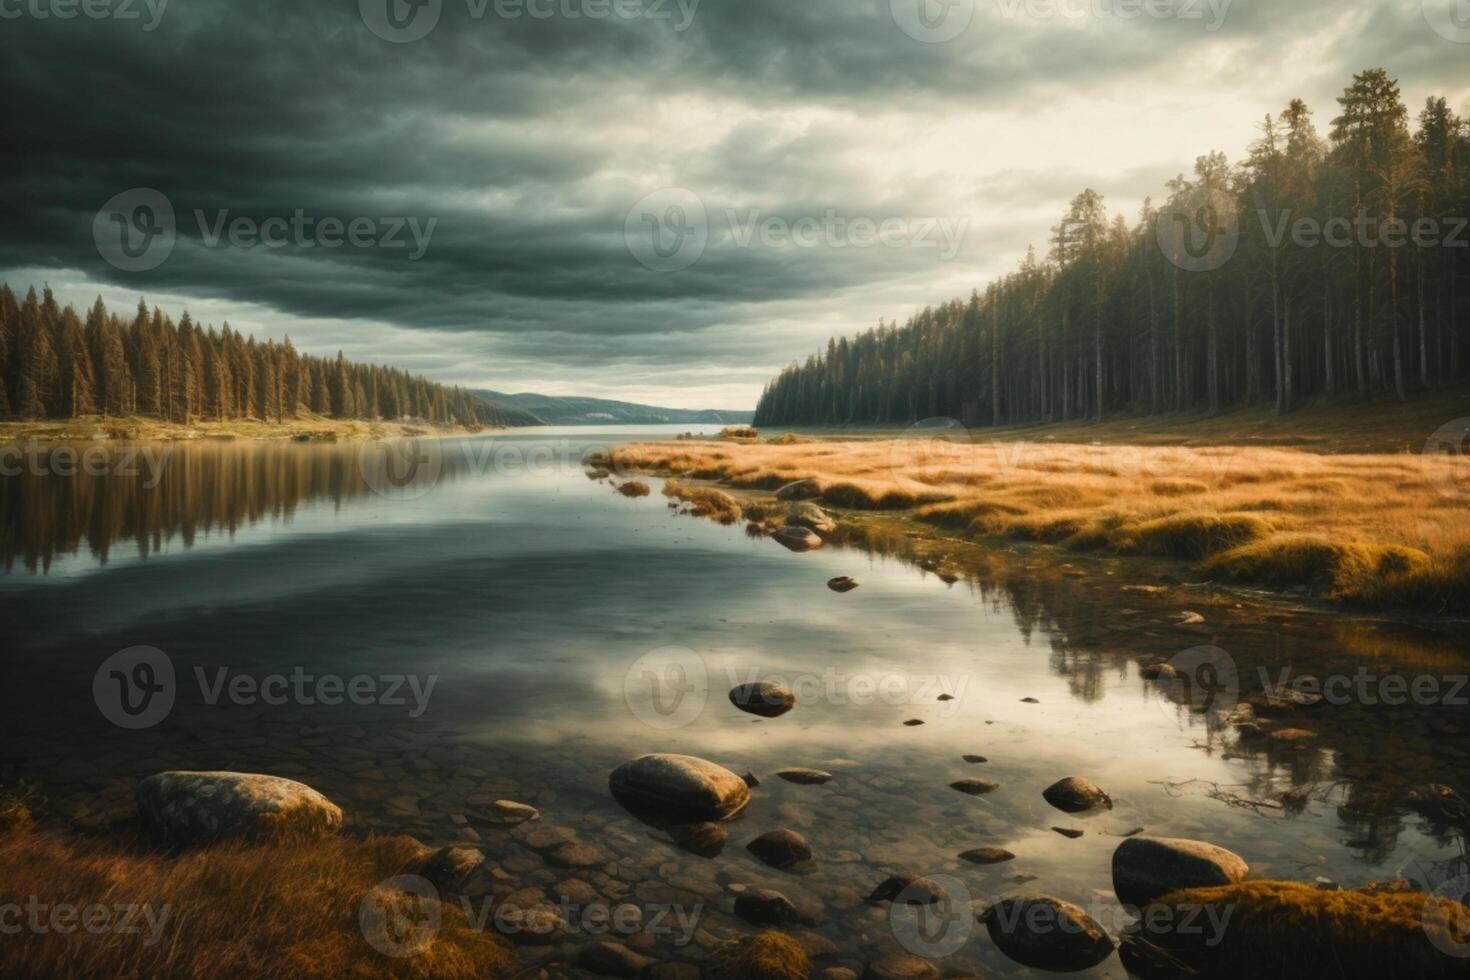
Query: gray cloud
[[528, 140]]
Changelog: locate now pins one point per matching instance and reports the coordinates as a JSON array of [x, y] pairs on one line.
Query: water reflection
[[150, 495], [530, 591]]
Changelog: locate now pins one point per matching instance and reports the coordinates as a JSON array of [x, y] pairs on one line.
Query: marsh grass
[[1284, 930], [1374, 529], [268, 911], [768, 955], [706, 501]]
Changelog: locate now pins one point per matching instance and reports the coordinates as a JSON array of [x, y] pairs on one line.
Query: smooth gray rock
[[763, 698], [1145, 868], [679, 789], [1047, 933], [1076, 795], [198, 807], [785, 850]]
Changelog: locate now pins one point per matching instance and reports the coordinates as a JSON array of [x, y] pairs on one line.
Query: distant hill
[[497, 413], [551, 410]]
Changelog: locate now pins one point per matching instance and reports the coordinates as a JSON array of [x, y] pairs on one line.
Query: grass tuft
[[1193, 536], [706, 502], [268, 911], [766, 955]]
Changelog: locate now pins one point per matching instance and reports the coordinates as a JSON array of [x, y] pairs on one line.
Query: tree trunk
[[1286, 367], [995, 359], [1358, 348], [1329, 384], [1178, 342], [1213, 355], [1423, 333]]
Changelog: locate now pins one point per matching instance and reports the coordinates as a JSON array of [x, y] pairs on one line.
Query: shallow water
[[566, 629]]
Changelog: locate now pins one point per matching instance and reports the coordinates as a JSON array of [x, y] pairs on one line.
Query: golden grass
[[706, 501], [308, 427], [1279, 929], [768, 955], [1378, 529], [634, 488], [268, 911]]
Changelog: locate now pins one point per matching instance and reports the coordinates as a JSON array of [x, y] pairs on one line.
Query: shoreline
[[1382, 533], [311, 428]]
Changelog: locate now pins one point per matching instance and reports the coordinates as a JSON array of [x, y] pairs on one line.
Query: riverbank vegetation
[[268, 911], [1380, 530], [305, 427]]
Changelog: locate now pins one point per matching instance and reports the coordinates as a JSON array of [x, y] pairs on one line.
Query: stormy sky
[[656, 200]]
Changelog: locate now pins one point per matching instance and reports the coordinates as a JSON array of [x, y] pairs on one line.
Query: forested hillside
[[1316, 266], [560, 410], [57, 364]]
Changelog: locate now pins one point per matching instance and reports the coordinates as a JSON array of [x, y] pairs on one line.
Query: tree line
[[1315, 267], [56, 364]]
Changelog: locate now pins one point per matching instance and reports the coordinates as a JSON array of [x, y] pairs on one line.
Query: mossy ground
[[1284, 930]]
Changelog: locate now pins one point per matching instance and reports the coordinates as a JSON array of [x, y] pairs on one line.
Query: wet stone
[[987, 855], [805, 777], [765, 907], [784, 850], [974, 787]]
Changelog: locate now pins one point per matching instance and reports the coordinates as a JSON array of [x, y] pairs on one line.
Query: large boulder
[[1144, 868], [797, 538], [198, 807], [678, 789], [1076, 795], [811, 517], [800, 490], [1047, 933]]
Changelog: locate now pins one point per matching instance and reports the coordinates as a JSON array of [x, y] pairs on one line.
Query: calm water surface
[[566, 629]]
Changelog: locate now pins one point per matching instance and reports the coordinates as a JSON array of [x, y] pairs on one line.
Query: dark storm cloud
[[526, 142]]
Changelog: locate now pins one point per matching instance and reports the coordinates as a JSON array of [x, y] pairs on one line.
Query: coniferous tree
[[1128, 318]]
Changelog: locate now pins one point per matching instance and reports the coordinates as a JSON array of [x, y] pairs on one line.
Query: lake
[[500, 626]]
